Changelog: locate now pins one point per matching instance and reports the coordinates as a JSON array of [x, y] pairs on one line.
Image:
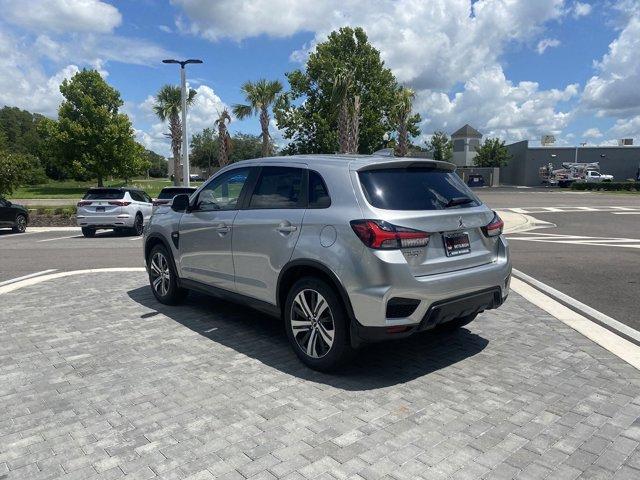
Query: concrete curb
[[519, 222]]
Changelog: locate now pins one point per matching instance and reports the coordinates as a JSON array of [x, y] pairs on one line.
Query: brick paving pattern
[[98, 380]]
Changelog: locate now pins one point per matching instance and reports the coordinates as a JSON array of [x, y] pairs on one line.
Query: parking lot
[[98, 380]]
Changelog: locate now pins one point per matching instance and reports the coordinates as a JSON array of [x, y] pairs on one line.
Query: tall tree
[[492, 153], [204, 150], [94, 138], [404, 122], [168, 106], [440, 146], [307, 113], [260, 97], [224, 144]]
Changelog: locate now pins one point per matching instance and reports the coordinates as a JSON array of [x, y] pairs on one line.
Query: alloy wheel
[[138, 225], [21, 224], [312, 323], [160, 274]]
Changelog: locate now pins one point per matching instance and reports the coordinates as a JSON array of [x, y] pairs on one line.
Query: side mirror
[[180, 203]]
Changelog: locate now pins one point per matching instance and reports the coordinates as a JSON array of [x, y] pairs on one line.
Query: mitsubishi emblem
[[460, 223]]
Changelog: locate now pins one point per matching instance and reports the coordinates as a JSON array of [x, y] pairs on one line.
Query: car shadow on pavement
[[263, 338]]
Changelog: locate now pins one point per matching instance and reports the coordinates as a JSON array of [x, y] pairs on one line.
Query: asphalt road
[[592, 255]]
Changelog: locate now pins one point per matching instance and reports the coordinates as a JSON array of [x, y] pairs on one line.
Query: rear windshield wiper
[[454, 202]]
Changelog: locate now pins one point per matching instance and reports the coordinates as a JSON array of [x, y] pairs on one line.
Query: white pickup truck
[[592, 176]]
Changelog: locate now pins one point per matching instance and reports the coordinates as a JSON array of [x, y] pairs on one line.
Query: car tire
[[163, 278], [88, 232], [20, 224], [138, 225], [317, 325], [455, 324]]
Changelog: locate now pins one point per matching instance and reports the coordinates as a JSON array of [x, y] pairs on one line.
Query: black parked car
[[13, 216]]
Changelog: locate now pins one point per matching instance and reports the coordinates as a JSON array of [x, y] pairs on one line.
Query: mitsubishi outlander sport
[[345, 249]]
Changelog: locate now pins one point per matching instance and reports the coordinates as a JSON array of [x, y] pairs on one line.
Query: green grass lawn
[[75, 190]]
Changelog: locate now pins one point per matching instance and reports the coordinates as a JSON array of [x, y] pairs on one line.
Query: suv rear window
[[415, 189], [103, 194]]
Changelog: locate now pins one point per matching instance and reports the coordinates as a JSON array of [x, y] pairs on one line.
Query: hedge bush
[[607, 186]]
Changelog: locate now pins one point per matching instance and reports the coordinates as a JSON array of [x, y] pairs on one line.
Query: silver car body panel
[[250, 264]]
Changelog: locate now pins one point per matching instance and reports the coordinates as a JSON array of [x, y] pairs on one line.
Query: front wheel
[[138, 225], [163, 278], [21, 224], [317, 325]]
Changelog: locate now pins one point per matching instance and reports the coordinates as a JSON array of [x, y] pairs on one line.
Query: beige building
[[465, 141]]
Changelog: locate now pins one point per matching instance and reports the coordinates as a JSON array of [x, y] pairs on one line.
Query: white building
[[465, 142]]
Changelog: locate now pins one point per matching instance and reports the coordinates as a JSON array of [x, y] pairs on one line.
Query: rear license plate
[[99, 209], [456, 244]]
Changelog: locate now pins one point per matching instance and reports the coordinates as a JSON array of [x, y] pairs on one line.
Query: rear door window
[[104, 194], [415, 189], [278, 187]]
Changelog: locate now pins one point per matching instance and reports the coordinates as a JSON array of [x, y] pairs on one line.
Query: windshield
[[104, 194], [416, 189]]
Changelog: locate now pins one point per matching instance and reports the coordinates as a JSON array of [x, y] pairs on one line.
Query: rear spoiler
[[407, 163]]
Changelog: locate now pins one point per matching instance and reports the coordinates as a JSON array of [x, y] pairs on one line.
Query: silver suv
[[120, 209], [346, 249]]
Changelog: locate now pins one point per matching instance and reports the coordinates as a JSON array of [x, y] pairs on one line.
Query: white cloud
[[581, 9], [497, 107], [626, 128], [547, 43], [614, 89], [433, 44], [62, 15], [592, 133]]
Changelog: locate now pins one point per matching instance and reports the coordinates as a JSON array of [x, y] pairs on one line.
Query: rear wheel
[[138, 225], [21, 224], [455, 324], [317, 325], [88, 232], [163, 278]]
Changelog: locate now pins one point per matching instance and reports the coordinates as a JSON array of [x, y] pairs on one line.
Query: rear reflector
[[119, 203], [398, 328], [381, 235], [494, 228]]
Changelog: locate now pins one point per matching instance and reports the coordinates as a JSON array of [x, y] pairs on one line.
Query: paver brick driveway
[[99, 380]]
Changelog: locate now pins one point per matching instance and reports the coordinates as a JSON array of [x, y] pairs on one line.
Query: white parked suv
[[595, 177], [345, 249], [120, 209]]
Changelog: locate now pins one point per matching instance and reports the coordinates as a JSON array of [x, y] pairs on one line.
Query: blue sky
[[512, 68]]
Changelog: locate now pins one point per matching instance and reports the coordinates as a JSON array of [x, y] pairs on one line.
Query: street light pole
[[185, 147], [183, 98]]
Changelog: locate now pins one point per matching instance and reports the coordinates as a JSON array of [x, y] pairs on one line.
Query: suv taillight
[[382, 235], [83, 203], [119, 203], [494, 228]]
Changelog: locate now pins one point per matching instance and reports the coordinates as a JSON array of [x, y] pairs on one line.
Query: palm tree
[[340, 96], [168, 106], [224, 140], [260, 96], [400, 116]]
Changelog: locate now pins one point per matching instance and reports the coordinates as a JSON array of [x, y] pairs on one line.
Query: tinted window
[[103, 194], [318, 194], [137, 196], [278, 187], [415, 189], [223, 192], [169, 193]]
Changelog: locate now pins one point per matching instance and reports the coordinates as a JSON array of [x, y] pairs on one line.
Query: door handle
[[223, 229], [286, 227]]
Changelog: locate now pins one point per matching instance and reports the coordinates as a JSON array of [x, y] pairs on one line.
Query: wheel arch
[[306, 267], [153, 240]]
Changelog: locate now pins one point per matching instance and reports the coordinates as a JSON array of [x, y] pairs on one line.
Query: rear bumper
[[370, 301], [105, 221], [438, 313]]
